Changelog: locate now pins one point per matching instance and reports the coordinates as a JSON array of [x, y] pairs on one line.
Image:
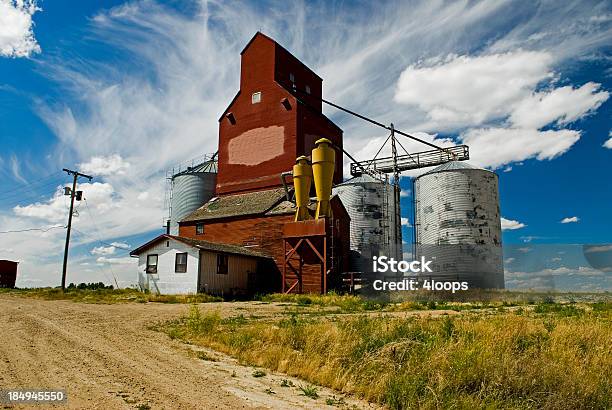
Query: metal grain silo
[[191, 189], [369, 203], [457, 224]]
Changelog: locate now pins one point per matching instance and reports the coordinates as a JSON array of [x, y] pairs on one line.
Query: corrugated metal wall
[[189, 192], [236, 280], [370, 205], [458, 225]]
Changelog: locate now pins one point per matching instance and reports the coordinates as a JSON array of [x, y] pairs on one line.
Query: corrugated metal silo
[[458, 224], [369, 202], [191, 189]]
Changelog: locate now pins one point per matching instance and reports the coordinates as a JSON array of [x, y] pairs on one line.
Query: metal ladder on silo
[[385, 225]]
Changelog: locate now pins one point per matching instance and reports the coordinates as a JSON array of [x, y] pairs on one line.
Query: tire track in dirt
[[106, 357]]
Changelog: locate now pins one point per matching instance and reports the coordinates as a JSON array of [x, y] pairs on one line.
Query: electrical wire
[[32, 183], [16, 196], [34, 229]]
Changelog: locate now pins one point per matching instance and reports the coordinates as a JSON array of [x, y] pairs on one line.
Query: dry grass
[[108, 296], [551, 357]]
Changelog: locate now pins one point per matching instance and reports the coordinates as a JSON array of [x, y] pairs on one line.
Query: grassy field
[[509, 355], [107, 295]]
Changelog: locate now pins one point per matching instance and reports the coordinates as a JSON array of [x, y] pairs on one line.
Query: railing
[[412, 161]]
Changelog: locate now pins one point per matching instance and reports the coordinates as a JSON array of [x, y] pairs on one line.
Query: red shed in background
[[268, 124], [8, 273]]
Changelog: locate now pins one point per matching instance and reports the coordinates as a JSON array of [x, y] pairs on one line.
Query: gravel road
[[105, 358]]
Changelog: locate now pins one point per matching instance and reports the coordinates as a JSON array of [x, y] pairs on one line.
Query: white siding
[[166, 281], [235, 282]]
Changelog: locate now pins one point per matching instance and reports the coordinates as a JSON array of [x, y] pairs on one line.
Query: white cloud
[[121, 245], [16, 28], [406, 222], [103, 250], [562, 105], [105, 166], [466, 90], [510, 225], [56, 209], [116, 261], [572, 219], [509, 260], [493, 98], [608, 143], [495, 147]]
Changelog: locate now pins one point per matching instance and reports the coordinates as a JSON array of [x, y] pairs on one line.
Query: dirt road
[[105, 358]]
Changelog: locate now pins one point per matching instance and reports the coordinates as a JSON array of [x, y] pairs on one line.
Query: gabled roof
[[204, 245], [260, 34], [227, 206]]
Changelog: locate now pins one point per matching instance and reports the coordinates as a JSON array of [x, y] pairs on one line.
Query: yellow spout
[[302, 180], [323, 164]]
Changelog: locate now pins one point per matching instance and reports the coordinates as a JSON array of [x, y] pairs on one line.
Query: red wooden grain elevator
[[264, 129]]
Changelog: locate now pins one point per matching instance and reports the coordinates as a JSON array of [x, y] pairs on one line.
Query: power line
[[16, 195], [363, 117], [32, 183], [34, 229], [121, 252]]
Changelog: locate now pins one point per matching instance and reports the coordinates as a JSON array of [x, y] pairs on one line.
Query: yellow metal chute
[[323, 164], [302, 180]]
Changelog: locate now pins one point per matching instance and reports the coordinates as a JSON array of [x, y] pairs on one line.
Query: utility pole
[[76, 176]]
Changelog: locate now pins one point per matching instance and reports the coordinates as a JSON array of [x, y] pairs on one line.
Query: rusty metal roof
[[227, 206], [204, 245]]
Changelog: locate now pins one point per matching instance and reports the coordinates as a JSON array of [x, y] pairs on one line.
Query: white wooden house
[[171, 264]]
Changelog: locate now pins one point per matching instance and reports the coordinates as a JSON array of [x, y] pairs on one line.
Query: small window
[[221, 264], [307, 89], [151, 263], [291, 77], [200, 229], [180, 263], [256, 97]]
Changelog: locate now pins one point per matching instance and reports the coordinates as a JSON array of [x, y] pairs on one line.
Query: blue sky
[[127, 89]]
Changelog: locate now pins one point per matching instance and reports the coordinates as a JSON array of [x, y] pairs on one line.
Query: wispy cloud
[[570, 219], [16, 169]]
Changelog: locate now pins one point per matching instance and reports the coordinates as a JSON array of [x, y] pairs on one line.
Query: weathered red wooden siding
[[257, 74], [264, 233], [313, 126], [266, 68]]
